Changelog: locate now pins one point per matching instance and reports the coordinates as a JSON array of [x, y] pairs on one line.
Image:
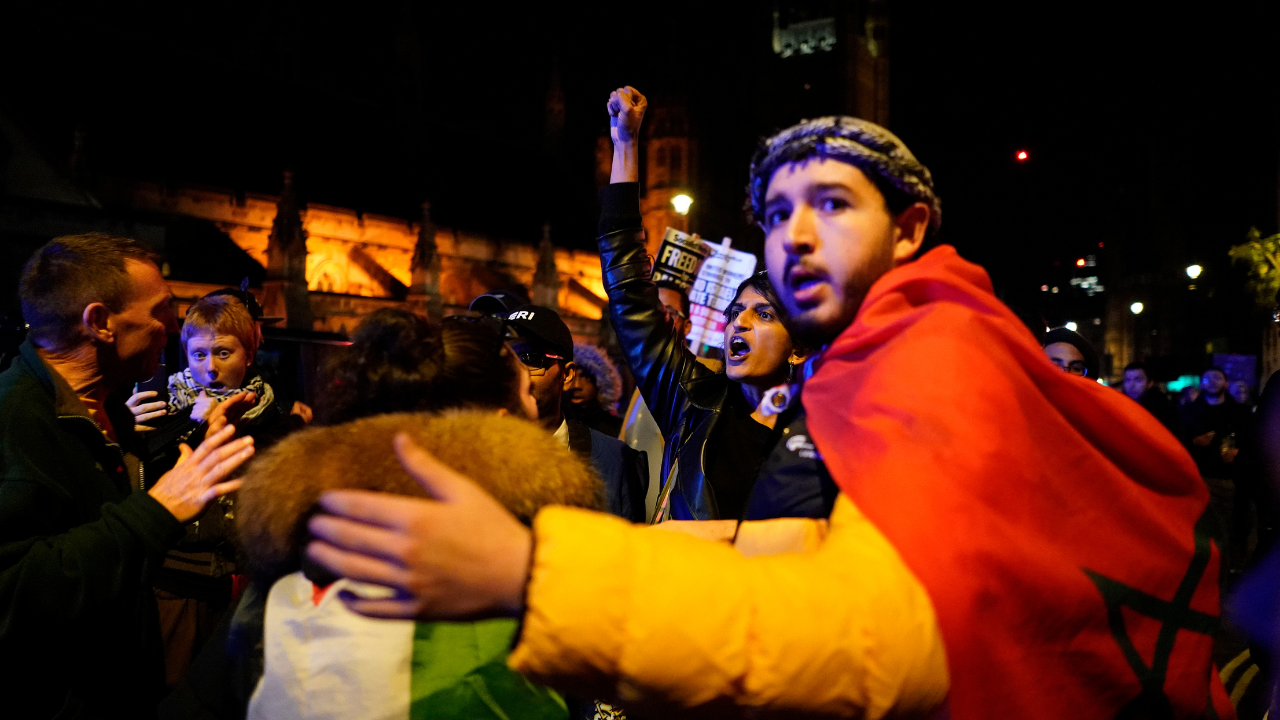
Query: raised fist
[[626, 111]]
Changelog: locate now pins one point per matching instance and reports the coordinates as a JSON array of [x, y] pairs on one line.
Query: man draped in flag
[[1010, 540]]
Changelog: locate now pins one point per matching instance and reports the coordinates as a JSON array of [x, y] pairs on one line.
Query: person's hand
[[228, 411], [302, 410], [626, 111], [460, 556], [197, 477], [1229, 455], [201, 407], [1203, 440], [144, 411]]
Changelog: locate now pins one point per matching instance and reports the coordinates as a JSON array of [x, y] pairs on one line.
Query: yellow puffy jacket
[[667, 623]]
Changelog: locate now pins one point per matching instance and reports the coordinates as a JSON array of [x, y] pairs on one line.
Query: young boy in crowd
[[219, 339]]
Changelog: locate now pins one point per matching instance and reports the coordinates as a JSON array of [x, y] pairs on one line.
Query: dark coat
[[79, 543], [624, 470], [1229, 422], [1157, 403], [685, 397]]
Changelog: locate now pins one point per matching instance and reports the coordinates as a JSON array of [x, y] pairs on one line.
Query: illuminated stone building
[[353, 263]]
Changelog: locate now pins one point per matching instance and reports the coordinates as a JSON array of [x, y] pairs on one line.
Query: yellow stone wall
[[340, 243]]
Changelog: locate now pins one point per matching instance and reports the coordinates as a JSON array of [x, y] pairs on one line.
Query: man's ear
[[570, 372], [97, 322], [909, 229]]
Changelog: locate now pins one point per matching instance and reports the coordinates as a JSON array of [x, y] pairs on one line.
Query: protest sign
[[712, 291], [679, 257]]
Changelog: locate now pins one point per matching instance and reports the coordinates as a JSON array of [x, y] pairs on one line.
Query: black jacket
[[1230, 422], [624, 470], [79, 543], [685, 397]]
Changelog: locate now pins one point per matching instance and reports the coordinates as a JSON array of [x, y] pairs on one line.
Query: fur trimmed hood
[[516, 461]]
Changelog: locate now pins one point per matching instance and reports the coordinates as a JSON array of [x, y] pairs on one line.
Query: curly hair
[[399, 362], [885, 159], [593, 363]]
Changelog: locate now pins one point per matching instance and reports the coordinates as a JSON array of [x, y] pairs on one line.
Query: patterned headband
[[865, 145]]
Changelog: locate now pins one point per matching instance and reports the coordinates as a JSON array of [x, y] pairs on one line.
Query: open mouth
[[215, 385], [738, 348], [804, 284]]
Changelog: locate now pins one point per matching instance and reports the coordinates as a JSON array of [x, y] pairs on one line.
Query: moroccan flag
[[1060, 530], [322, 661]]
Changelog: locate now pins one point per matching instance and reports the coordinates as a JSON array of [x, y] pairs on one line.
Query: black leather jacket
[[685, 397]]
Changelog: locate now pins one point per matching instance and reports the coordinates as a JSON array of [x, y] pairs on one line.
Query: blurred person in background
[[1219, 432], [1140, 388], [1071, 352], [592, 397], [1241, 393], [1188, 395]]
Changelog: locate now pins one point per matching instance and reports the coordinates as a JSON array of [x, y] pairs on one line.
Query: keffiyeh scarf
[[183, 391]]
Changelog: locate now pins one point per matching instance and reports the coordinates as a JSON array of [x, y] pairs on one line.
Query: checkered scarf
[[183, 391]]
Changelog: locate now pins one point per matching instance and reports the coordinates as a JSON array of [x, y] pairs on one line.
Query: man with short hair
[[544, 345], [996, 518], [1142, 389], [1217, 429], [82, 528]]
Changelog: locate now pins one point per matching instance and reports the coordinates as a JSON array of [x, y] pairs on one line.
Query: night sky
[[1153, 129]]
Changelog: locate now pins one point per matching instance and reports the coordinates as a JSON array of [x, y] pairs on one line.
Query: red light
[[1099, 244], [1022, 155], [1080, 262]]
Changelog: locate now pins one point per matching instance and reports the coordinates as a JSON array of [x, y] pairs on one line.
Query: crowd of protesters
[[892, 500]]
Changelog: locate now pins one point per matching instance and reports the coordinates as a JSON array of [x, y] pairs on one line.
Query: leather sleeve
[[676, 626], [655, 351]]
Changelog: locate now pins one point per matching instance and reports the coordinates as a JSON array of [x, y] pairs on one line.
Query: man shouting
[[1010, 540]]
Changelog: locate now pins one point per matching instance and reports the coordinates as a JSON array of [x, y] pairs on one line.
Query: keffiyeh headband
[[867, 146]]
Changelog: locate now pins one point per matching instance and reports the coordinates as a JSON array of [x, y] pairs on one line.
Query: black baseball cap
[[1071, 337], [496, 302], [544, 325]]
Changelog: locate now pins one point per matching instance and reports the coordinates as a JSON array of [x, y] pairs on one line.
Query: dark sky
[[1154, 128]]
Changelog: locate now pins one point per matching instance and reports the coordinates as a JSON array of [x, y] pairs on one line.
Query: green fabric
[[460, 671]]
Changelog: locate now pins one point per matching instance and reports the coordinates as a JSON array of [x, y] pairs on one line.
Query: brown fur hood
[[516, 461]]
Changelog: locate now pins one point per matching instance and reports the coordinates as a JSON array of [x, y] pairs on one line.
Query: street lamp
[[1193, 271], [1137, 308], [681, 203]]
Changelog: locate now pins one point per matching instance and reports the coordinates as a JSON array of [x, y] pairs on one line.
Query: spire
[[426, 266], [546, 279], [287, 244], [287, 261]]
